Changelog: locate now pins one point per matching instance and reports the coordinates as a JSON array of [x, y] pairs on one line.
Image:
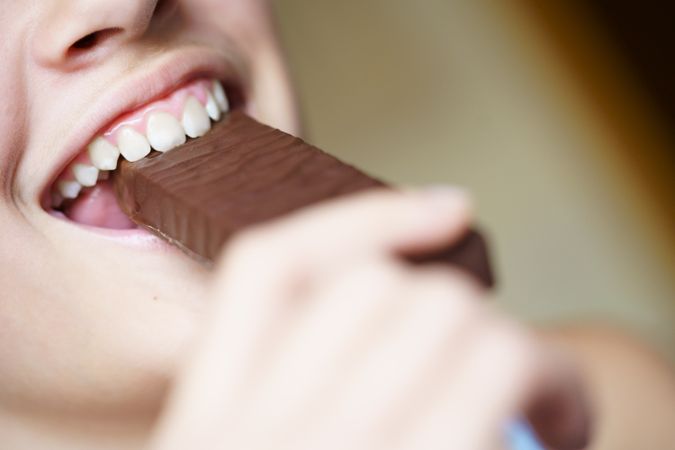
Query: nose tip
[[82, 31]]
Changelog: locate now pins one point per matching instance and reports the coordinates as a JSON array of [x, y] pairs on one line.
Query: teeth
[[220, 96], [85, 174], [165, 132], [212, 107], [69, 189], [133, 145], [195, 119], [103, 154]]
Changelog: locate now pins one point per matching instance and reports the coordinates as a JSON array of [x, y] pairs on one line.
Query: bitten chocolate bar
[[242, 173]]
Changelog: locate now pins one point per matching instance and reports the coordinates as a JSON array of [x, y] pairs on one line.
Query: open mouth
[[83, 191]]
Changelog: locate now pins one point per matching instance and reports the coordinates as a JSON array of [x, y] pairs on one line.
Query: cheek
[[247, 22], [13, 119], [15, 24]]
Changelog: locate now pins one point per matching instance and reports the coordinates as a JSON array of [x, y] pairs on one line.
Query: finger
[[240, 354], [401, 362], [504, 375], [245, 323], [279, 261], [391, 220], [481, 393], [348, 311], [384, 222]]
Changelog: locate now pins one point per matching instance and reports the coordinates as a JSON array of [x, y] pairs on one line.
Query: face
[[96, 315]]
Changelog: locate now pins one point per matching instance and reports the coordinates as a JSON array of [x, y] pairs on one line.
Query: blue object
[[520, 436]]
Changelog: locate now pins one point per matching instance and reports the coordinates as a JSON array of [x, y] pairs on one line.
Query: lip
[[135, 237], [164, 75]]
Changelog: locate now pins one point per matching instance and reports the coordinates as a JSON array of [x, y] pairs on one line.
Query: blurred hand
[[323, 339]]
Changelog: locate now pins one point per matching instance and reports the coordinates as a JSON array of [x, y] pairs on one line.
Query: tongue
[[98, 207]]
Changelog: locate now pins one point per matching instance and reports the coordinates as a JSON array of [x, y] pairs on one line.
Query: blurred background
[[557, 115]]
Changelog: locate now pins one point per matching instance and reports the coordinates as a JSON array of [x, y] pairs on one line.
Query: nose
[[71, 33]]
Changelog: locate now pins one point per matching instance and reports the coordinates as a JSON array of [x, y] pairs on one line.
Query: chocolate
[[243, 173]]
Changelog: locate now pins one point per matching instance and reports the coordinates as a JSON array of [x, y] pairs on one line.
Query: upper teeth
[[195, 119], [133, 145], [163, 132], [103, 154], [212, 107], [69, 189], [220, 96], [85, 174]]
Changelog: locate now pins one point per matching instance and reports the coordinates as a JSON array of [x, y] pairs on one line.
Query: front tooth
[[212, 107], [85, 174], [221, 97], [165, 132], [195, 119], [133, 145], [103, 154], [69, 189]]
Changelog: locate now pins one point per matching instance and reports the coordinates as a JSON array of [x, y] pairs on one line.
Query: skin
[[109, 346]]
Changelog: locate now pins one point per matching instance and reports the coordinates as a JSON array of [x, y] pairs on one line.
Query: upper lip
[[154, 81]]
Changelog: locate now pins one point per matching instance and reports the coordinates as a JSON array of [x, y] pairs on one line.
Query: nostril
[[86, 42], [92, 40]]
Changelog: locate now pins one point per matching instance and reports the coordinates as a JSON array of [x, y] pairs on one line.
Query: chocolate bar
[[242, 173]]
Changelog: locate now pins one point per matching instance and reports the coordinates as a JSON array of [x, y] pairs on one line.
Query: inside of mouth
[[97, 205]]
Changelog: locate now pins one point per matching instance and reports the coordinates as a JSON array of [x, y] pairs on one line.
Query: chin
[[89, 341]]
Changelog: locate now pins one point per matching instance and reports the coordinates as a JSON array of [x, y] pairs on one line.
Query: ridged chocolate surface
[[242, 173]]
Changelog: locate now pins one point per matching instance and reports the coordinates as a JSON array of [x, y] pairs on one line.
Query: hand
[[321, 338]]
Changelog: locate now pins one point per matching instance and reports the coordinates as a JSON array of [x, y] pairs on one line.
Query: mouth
[[82, 192]]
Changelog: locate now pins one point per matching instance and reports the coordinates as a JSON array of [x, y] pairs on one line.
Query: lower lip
[[135, 237]]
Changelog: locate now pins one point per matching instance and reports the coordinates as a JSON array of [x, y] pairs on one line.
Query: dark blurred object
[[644, 33], [622, 56]]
